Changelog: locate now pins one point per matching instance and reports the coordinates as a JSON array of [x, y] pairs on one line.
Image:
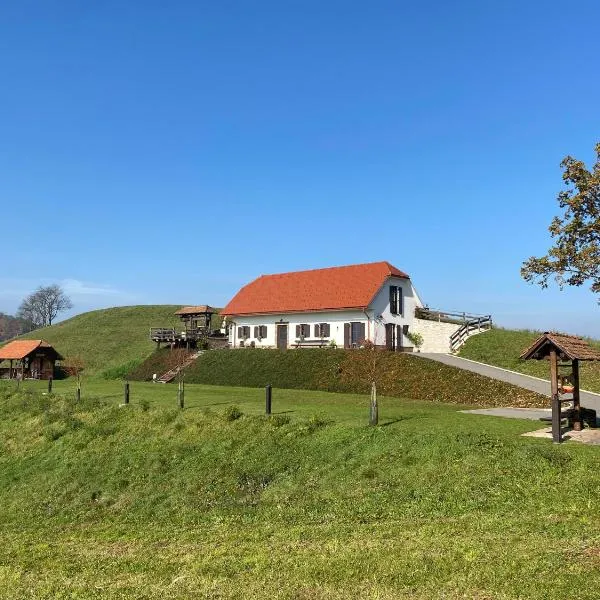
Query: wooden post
[[556, 408], [10, 375], [180, 394], [126, 393], [577, 425], [268, 396], [374, 410], [50, 385]]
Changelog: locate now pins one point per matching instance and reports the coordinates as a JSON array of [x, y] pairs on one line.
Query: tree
[[42, 306], [575, 257]]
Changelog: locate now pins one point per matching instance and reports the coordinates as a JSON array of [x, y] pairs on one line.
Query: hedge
[[401, 375]]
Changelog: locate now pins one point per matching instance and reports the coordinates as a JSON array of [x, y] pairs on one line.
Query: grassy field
[[502, 348], [400, 375], [111, 340], [214, 502]]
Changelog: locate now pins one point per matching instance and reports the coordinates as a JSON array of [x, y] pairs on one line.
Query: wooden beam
[[576, 397], [556, 420]]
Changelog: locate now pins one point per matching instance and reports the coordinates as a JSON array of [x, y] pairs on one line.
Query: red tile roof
[[335, 288], [21, 348]]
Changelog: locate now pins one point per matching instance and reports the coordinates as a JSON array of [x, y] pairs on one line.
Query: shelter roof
[[568, 347], [196, 310], [19, 349]]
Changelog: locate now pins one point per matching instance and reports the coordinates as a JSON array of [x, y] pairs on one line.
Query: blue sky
[[156, 152]]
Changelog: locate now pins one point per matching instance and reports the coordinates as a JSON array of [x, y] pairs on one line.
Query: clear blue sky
[[169, 152]]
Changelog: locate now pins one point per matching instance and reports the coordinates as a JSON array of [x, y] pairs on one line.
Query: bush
[[232, 413]]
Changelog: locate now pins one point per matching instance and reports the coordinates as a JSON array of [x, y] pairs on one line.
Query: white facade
[[373, 319]]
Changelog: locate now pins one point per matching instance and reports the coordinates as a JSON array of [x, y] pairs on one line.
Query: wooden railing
[[459, 337]]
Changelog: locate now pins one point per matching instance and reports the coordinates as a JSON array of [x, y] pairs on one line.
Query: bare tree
[[73, 368], [42, 306]]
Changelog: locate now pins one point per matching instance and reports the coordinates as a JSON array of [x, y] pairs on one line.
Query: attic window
[[396, 300]]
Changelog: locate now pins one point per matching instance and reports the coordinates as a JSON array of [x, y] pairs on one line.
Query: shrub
[[232, 413]]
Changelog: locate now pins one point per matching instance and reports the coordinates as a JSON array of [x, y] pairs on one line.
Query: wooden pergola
[[196, 322], [564, 352]]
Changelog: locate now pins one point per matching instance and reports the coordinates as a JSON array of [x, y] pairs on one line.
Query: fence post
[[126, 393], [180, 394], [268, 396], [50, 384]]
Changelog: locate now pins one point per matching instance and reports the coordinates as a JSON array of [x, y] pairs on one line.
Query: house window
[[357, 333], [396, 300], [260, 331], [322, 330], [244, 332], [303, 330]]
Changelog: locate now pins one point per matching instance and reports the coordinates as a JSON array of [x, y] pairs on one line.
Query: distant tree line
[[38, 309]]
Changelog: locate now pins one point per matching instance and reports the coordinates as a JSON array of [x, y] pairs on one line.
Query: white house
[[341, 306]]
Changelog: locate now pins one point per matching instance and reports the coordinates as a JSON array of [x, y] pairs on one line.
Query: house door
[[282, 337]]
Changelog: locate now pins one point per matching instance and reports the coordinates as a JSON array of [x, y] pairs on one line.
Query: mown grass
[[502, 348], [148, 501], [400, 375], [111, 340]]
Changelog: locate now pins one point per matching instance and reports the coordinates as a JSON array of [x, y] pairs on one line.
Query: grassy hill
[[401, 375], [111, 339], [145, 502], [502, 348]]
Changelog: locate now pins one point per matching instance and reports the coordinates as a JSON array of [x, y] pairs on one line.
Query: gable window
[[322, 330], [244, 332], [303, 331], [260, 331], [396, 300]]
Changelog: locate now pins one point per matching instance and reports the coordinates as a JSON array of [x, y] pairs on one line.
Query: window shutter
[[247, 330], [399, 338], [362, 333], [263, 331], [317, 330], [256, 331], [393, 300], [400, 301], [298, 331], [240, 331], [327, 332], [389, 336]]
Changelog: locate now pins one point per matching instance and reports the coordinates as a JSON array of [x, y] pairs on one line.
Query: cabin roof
[[19, 349], [334, 288], [196, 310], [570, 347]]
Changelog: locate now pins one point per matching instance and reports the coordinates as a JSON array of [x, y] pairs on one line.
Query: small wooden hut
[[564, 352], [196, 328], [29, 359]]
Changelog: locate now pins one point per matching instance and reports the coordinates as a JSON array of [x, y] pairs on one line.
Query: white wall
[[374, 319]]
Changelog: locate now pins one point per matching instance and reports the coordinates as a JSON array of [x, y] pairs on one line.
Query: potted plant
[[416, 339]]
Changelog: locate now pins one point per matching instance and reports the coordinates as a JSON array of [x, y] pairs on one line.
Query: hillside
[[401, 375], [150, 502], [109, 339], [502, 348]]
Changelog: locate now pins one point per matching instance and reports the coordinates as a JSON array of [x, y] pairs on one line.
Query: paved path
[[541, 386], [534, 414]]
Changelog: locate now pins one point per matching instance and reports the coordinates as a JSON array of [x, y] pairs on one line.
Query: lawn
[[150, 501], [502, 348]]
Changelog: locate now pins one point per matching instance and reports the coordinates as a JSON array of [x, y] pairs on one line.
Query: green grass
[[401, 375], [148, 501], [502, 348], [109, 340]]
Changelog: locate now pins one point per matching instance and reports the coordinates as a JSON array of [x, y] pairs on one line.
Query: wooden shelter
[[29, 359], [564, 352], [196, 327]]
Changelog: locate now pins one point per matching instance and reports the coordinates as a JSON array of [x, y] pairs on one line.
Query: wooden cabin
[[28, 359]]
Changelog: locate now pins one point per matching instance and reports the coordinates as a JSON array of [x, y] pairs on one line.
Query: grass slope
[[402, 375], [502, 348], [109, 339], [102, 502]]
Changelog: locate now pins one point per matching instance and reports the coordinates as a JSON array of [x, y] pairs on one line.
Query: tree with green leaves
[[574, 259]]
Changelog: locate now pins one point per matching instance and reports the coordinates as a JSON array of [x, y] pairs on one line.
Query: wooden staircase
[[170, 375]]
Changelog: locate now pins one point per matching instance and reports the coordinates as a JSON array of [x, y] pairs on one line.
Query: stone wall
[[436, 336]]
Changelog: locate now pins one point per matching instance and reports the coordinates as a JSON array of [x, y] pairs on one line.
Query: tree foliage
[[574, 259], [41, 307]]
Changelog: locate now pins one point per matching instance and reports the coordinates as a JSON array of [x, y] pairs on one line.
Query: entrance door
[[282, 337]]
